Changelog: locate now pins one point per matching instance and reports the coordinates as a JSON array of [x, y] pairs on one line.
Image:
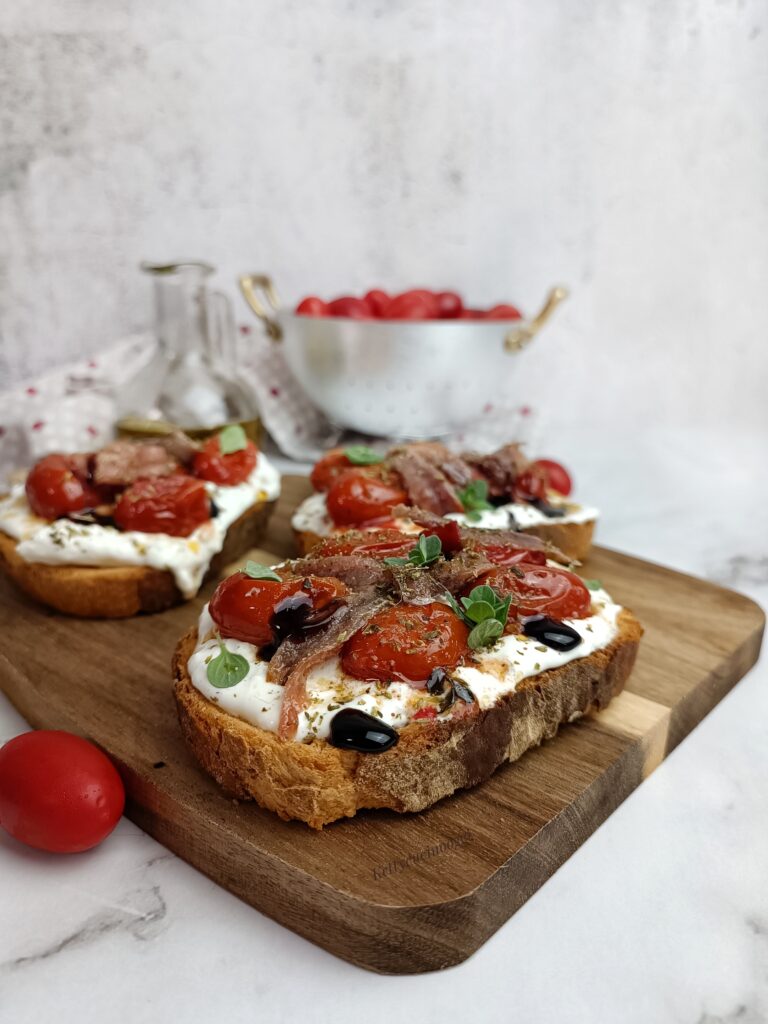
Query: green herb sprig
[[362, 455], [227, 668], [474, 498], [427, 551], [593, 584], [260, 572], [232, 439], [486, 613]]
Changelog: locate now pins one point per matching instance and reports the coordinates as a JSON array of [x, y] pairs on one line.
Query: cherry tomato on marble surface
[[349, 306], [377, 301], [417, 304], [312, 306], [449, 305], [58, 792]]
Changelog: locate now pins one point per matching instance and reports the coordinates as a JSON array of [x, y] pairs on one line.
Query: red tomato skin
[[449, 305], [384, 543], [332, 465], [504, 312], [58, 792], [406, 644], [417, 304], [356, 497], [377, 301], [312, 306], [229, 470], [541, 590], [471, 314], [54, 489], [502, 554], [449, 534], [530, 485], [558, 477], [175, 505], [242, 607], [349, 306]]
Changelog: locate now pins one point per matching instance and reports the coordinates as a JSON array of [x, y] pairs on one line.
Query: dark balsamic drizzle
[[352, 729], [295, 614], [557, 635], [91, 517], [550, 511], [214, 508]]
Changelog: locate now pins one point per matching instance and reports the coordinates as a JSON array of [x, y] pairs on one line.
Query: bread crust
[[115, 592], [317, 783], [573, 539]]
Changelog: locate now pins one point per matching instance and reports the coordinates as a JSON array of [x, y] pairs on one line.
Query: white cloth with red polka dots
[[74, 408]]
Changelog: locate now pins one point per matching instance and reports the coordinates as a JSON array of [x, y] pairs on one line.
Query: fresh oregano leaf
[[260, 572], [361, 455], [227, 668], [474, 498], [593, 584], [427, 551], [485, 633], [232, 439]]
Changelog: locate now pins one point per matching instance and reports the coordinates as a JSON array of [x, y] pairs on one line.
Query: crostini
[[359, 488], [137, 526], [386, 671]]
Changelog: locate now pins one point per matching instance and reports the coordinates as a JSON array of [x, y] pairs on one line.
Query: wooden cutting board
[[396, 894]]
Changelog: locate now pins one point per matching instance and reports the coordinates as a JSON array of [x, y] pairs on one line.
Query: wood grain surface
[[392, 893]]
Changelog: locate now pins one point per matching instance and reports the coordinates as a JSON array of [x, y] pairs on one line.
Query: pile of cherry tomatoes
[[416, 304]]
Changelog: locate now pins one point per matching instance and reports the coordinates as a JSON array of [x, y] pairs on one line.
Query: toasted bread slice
[[573, 539], [115, 592], [318, 783]]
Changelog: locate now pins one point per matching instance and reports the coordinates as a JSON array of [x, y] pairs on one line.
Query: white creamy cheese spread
[[312, 516], [64, 542], [490, 674]]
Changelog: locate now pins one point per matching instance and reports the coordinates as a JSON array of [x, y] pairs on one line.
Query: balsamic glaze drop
[[352, 729], [550, 511], [295, 614], [557, 635], [214, 508]]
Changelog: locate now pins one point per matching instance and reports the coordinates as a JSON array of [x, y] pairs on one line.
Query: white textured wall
[[618, 146]]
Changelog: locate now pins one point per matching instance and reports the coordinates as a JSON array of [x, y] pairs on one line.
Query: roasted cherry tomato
[[417, 304], [58, 792], [385, 543], [531, 485], [347, 305], [449, 534], [377, 300], [357, 496], [244, 608], [312, 306], [449, 305], [230, 469], [540, 590], [54, 489], [167, 504], [558, 478], [505, 554], [405, 643], [504, 312], [332, 465]]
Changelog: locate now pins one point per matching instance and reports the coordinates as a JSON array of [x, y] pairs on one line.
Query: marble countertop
[[662, 916]]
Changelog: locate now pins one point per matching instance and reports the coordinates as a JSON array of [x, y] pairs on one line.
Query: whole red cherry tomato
[[504, 312], [417, 304], [558, 478], [347, 305], [357, 496], [332, 465], [54, 489], [541, 590], [230, 469], [312, 306], [58, 792], [176, 505], [449, 305], [406, 643], [530, 485], [505, 554], [377, 300], [243, 608]]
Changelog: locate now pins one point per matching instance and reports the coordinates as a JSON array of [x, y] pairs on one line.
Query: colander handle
[[519, 337], [249, 285]]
